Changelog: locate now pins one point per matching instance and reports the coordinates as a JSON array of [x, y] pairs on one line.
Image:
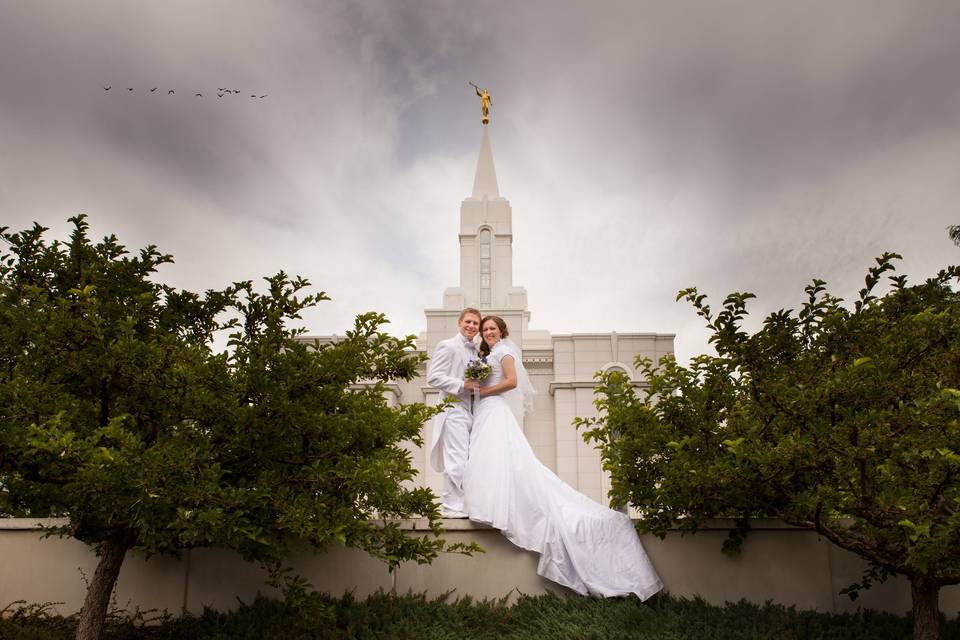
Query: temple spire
[[485, 182]]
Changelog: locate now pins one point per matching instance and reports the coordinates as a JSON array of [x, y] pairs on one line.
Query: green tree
[[118, 414], [839, 420]]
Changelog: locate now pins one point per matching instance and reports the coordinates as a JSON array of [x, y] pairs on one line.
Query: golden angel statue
[[485, 102]]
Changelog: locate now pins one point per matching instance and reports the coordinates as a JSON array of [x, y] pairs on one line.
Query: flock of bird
[[221, 91]]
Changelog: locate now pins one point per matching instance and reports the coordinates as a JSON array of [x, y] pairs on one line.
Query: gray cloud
[[644, 146]]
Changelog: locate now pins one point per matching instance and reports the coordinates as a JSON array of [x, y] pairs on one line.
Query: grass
[[415, 617]]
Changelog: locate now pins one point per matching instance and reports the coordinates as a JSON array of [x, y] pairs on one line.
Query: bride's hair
[[484, 347]]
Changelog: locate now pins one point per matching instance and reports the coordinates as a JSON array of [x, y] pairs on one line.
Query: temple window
[[485, 251]]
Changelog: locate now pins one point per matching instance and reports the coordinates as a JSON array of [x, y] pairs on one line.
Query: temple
[[561, 366]]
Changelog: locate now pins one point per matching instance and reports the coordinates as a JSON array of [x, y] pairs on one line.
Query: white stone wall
[[778, 563], [577, 358]]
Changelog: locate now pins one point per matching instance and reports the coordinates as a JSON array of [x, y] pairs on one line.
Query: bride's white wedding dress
[[582, 544]]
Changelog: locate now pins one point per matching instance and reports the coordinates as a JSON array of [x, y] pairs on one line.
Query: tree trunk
[[926, 608], [94, 611]]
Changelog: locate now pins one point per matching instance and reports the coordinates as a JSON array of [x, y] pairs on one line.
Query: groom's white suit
[[451, 429]]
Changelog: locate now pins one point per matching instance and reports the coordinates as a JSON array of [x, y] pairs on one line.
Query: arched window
[[619, 367], [485, 252]]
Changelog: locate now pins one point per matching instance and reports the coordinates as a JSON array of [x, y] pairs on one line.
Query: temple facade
[[561, 366]]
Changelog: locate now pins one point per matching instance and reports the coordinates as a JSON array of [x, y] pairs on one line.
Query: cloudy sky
[[644, 146]]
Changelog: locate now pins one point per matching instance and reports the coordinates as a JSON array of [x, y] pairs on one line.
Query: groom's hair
[[469, 310]]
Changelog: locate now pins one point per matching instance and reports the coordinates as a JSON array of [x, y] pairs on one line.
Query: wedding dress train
[[582, 544]]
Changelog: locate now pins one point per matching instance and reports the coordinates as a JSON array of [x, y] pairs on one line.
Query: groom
[[451, 429]]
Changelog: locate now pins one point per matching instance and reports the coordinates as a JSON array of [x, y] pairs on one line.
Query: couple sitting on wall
[[491, 475]]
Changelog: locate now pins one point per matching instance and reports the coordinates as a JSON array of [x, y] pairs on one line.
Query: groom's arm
[[438, 371]]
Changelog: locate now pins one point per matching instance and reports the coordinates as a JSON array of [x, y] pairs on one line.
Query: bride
[[582, 544]]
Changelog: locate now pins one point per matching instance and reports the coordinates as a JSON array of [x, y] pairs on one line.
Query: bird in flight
[[221, 92]]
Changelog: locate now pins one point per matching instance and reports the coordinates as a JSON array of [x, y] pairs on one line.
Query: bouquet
[[477, 369]]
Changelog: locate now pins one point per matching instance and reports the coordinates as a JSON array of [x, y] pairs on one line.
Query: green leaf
[[864, 446], [121, 414]]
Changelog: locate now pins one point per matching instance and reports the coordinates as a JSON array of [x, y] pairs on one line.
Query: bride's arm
[[509, 378]]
